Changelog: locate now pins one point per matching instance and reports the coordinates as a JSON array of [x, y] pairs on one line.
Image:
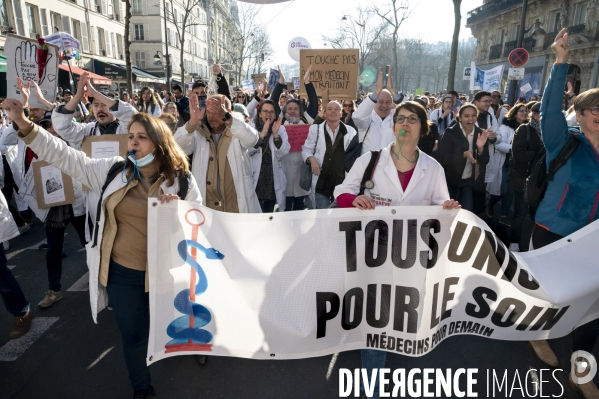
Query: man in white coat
[[374, 116], [486, 120], [221, 164], [112, 116], [324, 150]]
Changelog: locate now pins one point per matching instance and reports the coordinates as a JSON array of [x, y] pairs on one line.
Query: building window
[[44, 21], [139, 32], [84, 37], [119, 46], [66, 25], [136, 7], [140, 59], [76, 29], [108, 44], [3, 14], [554, 21], [32, 19], [100, 41], [205, 53], [56, 22], [580, 14], [19, 18]]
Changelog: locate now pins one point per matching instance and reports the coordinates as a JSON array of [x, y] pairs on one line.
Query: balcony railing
[[509, 46], [576, 29], [495, 52], [486, 10], [529, 44]]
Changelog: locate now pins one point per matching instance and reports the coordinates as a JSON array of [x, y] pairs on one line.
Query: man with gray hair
[[374, 116], [324, 150]]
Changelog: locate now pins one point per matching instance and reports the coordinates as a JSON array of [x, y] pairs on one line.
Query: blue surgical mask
[[141, 162], [137, 163]]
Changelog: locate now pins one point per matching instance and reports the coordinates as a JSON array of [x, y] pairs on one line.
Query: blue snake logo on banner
[[187, 331]]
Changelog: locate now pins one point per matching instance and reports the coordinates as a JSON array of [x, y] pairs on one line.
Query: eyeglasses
[[240, 96], [264, 112], [495, 96], [347, 105], [412, 119], [594, 110]]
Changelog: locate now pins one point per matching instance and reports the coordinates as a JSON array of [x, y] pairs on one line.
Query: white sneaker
[[6, 245], [514, 247]]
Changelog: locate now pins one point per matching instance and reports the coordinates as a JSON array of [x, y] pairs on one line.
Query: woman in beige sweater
[[117, 253]]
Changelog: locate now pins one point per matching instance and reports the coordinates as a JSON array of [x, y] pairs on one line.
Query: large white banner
[[310, 283], [487, 80]]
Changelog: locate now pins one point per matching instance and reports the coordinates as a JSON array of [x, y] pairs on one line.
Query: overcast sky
[[432, 20]]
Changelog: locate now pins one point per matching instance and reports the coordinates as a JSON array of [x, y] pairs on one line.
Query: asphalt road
[[67, 356]]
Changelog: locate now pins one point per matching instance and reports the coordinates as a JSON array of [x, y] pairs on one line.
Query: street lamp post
[[167, 58], [538, 34], [168, 61]]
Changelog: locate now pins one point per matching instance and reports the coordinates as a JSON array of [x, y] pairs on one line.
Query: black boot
[[147, 393]]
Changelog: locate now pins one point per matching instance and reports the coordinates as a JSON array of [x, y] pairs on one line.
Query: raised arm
[[554, 128], [91, 172]]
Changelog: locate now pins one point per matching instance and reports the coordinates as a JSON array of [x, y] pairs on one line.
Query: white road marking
[[99, 358], [16, 347], [82, 284]]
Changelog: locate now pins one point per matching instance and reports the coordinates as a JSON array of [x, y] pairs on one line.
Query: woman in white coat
[[498, 187], [117, 255], [147, 102], [403, 175], [267, 165]]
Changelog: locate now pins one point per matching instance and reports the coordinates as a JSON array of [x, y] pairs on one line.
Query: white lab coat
[[426, 187], [380, 130], [280, 179], [501, 151], [244, 138], [321, 148], [492, 123], [93, 173]]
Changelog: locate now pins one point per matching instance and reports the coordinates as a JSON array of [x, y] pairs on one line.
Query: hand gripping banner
[[301, 284]]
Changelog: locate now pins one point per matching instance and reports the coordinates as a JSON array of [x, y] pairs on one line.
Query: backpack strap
[[183, 185], [115, 169], [369, 172], [562, 158]]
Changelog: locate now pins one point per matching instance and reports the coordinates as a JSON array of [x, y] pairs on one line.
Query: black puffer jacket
[[525, 147]]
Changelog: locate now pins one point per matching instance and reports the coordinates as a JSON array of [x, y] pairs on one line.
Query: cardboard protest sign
[[297, 134], [105, 146], [30, 61], [52, 187], [273, 78], [258, 78], [28, 194], [335, 70]]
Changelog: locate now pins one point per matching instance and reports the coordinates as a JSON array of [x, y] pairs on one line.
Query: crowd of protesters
[[228, 149]]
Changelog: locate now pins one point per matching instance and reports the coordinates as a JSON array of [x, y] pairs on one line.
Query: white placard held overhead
[[30, 60], [526, 88], [296, 83]]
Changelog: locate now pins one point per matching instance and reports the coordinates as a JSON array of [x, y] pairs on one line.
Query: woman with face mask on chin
[[117, 253], [403, 176], [269, 179]]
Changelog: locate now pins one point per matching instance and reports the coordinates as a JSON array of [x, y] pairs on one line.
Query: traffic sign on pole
[[518, 57]]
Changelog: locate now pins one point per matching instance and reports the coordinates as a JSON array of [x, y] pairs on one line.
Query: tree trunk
[[128, 47], [454, 44], [182, 60]]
